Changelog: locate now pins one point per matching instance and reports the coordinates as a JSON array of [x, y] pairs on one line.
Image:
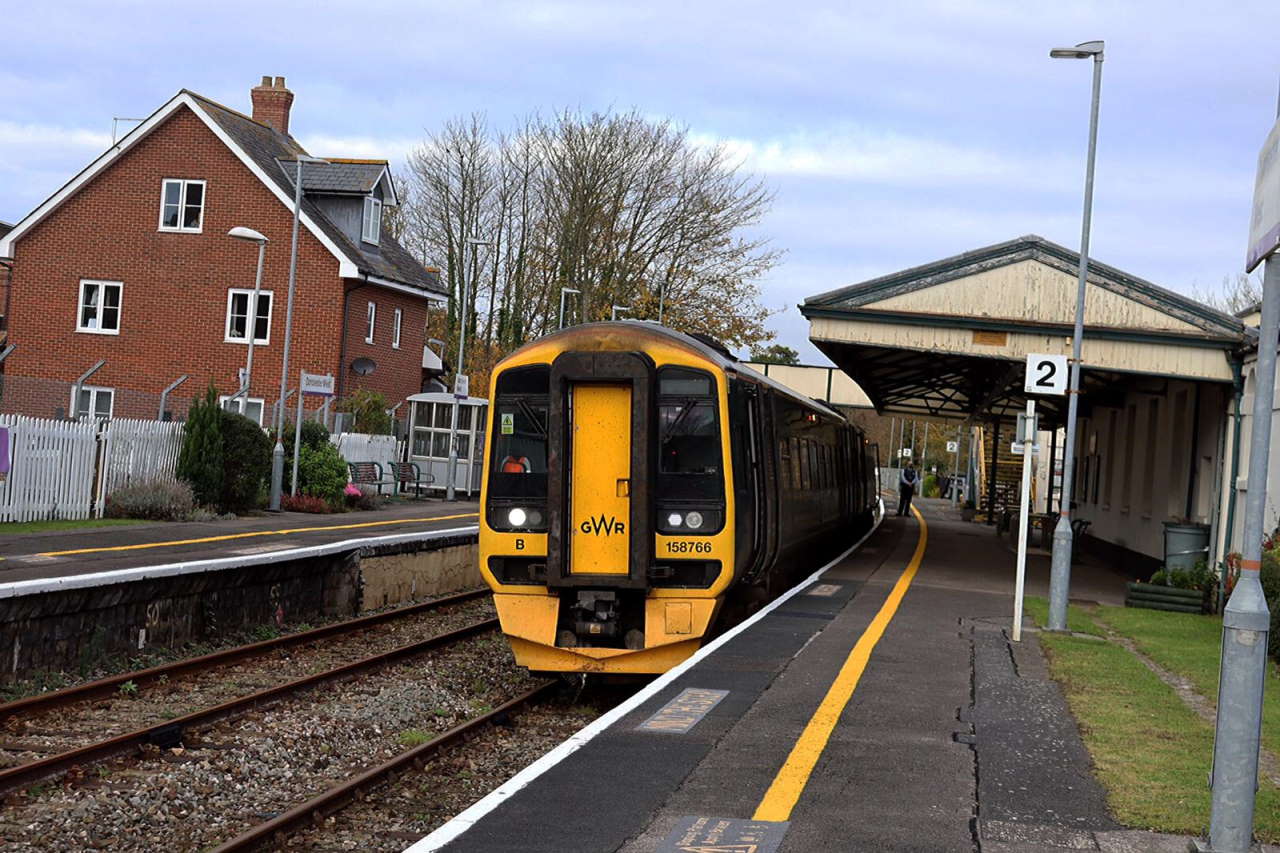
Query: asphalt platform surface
[[954, 738], [60, 553]]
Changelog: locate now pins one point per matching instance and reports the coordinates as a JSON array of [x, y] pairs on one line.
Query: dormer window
[[371, 229]]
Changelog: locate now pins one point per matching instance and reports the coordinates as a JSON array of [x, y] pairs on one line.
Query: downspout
[[1195, 453], [1237, 376]]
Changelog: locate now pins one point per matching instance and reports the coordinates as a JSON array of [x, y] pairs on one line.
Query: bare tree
[[623, 208], [1239, 293]]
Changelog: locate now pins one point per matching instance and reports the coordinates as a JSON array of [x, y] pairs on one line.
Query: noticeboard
[[1264, 224]]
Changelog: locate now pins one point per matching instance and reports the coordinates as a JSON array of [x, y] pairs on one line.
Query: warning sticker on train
[[724, 835], [508, 423]]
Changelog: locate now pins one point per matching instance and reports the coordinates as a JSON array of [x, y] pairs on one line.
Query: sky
[[891, 134]]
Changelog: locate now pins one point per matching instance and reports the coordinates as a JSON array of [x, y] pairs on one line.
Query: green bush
[[246, 453], [157, 500], [1269, 574], [1198, 577], [322, 473], [369, 412], [930, 487], [200, 458], [314, 435]]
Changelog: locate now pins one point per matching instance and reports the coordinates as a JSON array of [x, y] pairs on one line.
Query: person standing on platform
[[907, 487]]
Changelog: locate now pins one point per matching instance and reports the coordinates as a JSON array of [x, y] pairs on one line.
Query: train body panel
[[637, 480]]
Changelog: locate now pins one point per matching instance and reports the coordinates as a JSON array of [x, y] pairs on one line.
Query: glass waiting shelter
[[430, 415]]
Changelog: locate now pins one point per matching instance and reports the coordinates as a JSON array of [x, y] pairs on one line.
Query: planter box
[[1160, 597]]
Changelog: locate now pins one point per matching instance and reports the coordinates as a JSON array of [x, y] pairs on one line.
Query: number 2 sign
[[1046, 374]]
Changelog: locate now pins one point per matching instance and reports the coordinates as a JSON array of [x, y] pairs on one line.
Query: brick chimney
[[271, 102]]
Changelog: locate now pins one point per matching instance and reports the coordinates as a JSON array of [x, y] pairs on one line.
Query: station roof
[[950, 338]]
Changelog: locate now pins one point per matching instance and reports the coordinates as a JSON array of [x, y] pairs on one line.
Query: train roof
[[718, 354]]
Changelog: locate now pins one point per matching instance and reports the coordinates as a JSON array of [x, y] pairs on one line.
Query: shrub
[[369, 412], [200, 460], [157, 500], [304, 503], [930, 487], [314, 435], [322, 473], [246, 453], [362, 499]]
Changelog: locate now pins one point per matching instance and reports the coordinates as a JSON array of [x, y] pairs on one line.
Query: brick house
[[130, 262]]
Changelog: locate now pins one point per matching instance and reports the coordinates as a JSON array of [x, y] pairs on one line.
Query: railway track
[[66, 739]]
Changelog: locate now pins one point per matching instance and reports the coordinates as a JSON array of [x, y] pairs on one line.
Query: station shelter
[[1163, 386]]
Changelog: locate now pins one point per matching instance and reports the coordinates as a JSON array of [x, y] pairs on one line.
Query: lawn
[[1150, 751], [1190, 646], [1077, 620], [13, 527]]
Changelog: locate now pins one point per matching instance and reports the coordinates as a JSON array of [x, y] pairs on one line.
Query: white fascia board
[[391, 187], [403, 288]]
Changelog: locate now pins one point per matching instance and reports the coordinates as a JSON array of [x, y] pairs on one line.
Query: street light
[[563, 291], [251, 310], [449, 492], [616, 309], [277, 452], [1060, 575]]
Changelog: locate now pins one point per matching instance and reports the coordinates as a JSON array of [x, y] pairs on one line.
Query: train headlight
[[535, 518], [517, 517], [675, 519], [693, 520]]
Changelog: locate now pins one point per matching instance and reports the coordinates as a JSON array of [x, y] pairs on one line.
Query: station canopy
[[950, 338]]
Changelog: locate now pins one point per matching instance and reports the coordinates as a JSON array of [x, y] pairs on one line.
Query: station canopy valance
[[950, 338]]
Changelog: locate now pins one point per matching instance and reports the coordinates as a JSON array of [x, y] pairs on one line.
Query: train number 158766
[[685, 547]]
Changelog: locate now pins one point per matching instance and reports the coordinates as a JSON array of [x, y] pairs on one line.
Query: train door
[[600, 491]]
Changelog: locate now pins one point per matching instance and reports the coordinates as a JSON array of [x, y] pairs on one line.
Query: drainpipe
[[1237, 375]]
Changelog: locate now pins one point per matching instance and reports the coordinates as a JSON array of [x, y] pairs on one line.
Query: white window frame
[[94, 391], [242, 403], [372, 316], [371, 221], [101, 301], [182, 204], [250, 319], [397, 320]]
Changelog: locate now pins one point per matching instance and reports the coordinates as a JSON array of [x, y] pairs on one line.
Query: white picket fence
[[65, 469], [361, 447]]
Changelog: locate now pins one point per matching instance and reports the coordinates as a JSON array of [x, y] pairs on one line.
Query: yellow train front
[[627, 490]]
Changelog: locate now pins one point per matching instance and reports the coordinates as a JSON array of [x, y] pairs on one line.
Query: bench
[[368, 474], [409, 474]]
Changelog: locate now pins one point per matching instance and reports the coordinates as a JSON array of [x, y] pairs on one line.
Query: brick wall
[[399, 371], [174, 300]]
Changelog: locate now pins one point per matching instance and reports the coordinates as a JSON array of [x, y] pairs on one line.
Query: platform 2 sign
[[1046, 374], [724, 835]]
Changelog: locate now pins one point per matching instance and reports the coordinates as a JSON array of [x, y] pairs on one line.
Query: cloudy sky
[[893, 134]]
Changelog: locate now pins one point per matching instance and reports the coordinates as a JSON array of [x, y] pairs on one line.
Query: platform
[[876, 709], [62, 553]]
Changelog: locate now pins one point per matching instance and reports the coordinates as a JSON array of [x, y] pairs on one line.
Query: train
[[643, 490]]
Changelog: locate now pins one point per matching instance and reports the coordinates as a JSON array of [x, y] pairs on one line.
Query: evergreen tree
[[200, 461]]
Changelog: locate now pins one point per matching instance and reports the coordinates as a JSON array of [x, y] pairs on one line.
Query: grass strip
[[1150, 751], [1190, 645], [1078, 620], [12, 527]]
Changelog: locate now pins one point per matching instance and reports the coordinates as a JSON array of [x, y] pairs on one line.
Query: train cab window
[[518, 466], [690, 457]]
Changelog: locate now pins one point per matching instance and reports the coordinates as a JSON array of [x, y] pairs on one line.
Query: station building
[[1167, 383]]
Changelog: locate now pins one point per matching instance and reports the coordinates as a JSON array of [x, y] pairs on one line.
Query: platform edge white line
[[467, 818], [36, 586]]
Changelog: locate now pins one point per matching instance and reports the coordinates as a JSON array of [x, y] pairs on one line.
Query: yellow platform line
[[229, 536], [790, 782]]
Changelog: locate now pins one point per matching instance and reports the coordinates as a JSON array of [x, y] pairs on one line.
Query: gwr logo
[[609, 526]]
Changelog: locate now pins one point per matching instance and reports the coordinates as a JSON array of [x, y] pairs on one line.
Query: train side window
[[784, 462]]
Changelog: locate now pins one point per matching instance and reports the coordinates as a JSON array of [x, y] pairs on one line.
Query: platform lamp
[[563, 292], [613, 316], [1060, 575], [251, 309], [277, 452], [449, 491]]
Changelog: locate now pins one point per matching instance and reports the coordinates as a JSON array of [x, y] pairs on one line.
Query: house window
[[238, 317], [99, 310], [397, 318], [182, 205], [371, 227], [94, 402], [373, 318], [250, 407]]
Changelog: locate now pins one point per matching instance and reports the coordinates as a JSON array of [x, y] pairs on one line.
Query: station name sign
[[1264, 225]]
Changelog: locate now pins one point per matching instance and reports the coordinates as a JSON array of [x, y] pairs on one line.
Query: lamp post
[[616, 308], [277, 452], [1060, 576], [449, 492], [251, 310], [563, 291]]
